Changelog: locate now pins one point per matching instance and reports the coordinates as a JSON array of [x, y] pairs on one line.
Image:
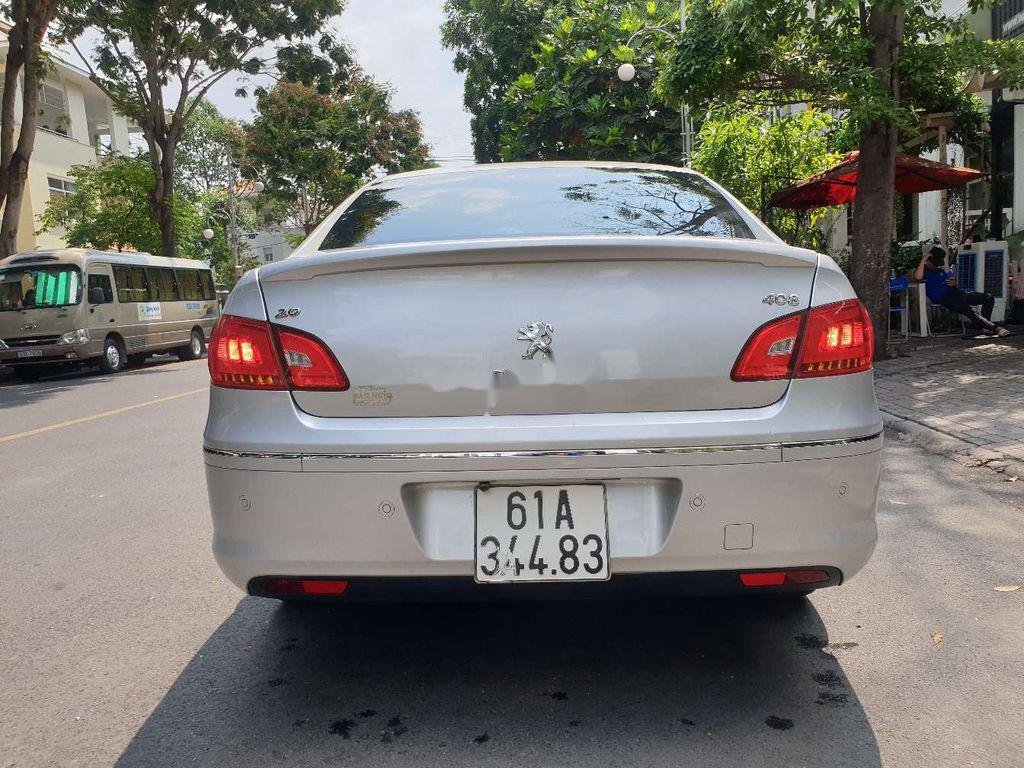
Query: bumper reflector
[[297, 587], [781, 578]]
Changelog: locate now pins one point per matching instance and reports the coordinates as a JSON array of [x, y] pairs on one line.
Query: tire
[[195, 348], [113, 358]]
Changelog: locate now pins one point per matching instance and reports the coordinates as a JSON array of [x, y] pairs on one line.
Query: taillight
[[253, 354], [838, 339], [821, 341], [242, 355], [287, 586], [779, 578]]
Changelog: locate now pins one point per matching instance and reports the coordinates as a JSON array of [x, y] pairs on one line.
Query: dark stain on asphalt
[[833, 699], [302, 722], [819, 643], [560, 695], [276, 682], [287, 647], [841, 646], [366, 713], [395, 722], [687, 721], [482, 738], [342, 728], [574, 723], [829, 679], [778, 723]]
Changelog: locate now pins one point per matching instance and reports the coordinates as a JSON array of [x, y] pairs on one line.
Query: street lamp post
[[627, 71]]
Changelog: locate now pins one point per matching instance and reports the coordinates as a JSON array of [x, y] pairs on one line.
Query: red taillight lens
[[778, 578], [242, 355], [769, 352], [248, 354], [838, 339], [822, 341], [310, 363]]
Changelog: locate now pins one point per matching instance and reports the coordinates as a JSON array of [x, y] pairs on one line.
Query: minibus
[[76, 306]]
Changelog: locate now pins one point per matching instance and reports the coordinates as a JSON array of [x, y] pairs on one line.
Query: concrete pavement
[[123, 645]]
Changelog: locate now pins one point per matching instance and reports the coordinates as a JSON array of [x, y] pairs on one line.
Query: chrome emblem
[[539, 336], [782, 299], [28, 327]]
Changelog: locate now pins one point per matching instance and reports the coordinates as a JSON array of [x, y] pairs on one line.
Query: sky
[[398, 42]]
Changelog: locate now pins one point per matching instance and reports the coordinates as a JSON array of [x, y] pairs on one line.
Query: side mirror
[[96, 295]]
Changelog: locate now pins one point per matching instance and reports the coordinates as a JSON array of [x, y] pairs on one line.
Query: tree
[[205, 151], [492, 41], [753, 155], [312, 150], [30, 18], [149, 47], [107, 210], [882, 64], [573, 105]]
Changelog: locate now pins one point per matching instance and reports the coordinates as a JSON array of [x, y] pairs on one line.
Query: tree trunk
[[15, 61], [17, 167], [161, 196], [876, 180]]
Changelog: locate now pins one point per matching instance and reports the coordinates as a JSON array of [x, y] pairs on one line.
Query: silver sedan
[[542, 379]]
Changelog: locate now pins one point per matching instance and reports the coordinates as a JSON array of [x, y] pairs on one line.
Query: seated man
[[941, 289]]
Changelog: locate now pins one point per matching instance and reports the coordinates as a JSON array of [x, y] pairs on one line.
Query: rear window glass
[[536, 201]]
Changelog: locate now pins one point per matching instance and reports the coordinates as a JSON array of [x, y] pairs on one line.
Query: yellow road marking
[[105, 414]]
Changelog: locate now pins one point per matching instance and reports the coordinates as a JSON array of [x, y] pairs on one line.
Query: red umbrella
[[838, 185]]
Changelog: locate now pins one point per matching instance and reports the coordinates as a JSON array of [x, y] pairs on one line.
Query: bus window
[[123, 283], [140, 284], [102, 282], [162, 283], [209, 292]]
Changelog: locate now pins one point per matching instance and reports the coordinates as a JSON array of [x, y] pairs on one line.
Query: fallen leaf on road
[[898, 503], [937, 638], [1011, 479], [1008, 588]]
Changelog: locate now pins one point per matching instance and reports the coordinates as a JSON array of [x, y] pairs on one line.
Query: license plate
[[541, 533], [30, 353]]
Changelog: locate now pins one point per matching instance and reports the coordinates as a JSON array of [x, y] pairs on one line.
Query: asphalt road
[[121, 643]]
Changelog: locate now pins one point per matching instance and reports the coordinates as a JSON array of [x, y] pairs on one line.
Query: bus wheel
[[194, 350], [113, 359]]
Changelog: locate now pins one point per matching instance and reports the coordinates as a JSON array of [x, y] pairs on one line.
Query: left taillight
[[822, 341], [253, 354]]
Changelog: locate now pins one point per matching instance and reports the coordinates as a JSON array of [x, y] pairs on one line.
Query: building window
[[268, 255], [60, 187], [53, 110]]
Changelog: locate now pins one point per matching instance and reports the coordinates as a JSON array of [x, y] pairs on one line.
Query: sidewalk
[[970, 390]]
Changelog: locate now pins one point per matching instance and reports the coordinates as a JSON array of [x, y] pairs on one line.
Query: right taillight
[[821, 341], [253, 354]]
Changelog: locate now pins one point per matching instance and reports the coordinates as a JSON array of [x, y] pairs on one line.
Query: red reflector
[[310, 363], [287, 587], [768, 579], [778, 578], [822, 341], [242, 355]]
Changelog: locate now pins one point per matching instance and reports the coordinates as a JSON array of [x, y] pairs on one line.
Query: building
[[76, 122]]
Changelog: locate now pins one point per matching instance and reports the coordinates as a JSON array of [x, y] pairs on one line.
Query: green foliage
[[312, 150], [492, 40], [109, 210], [572, 103], [207, 145], [777, 52], [753, 156]]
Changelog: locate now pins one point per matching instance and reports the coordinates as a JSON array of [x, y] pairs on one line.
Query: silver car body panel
[[312, 485]]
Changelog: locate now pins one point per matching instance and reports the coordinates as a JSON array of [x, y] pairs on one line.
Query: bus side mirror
[[96, 295]]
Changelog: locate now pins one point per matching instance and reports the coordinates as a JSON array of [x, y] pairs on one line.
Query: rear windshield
[[518, 201]]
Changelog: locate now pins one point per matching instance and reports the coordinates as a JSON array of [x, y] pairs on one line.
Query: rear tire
[[114, 358], [195, 348]]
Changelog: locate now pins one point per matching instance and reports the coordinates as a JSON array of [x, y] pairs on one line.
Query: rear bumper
[[394, 518]]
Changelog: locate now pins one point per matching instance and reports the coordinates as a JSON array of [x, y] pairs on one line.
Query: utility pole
[[233, 216], [687, 126]]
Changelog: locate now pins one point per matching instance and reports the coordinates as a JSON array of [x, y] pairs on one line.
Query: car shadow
[[701, 682]]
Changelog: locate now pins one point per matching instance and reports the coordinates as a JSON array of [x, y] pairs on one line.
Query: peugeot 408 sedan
[[543, 379]]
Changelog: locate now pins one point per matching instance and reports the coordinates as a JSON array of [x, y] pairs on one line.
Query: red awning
[[838, 185]]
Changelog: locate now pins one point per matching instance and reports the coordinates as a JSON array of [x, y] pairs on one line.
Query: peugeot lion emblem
[[539, 336]]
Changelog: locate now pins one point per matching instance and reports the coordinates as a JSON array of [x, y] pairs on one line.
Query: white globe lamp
[[626, 72], [208, 233], [258, 187]]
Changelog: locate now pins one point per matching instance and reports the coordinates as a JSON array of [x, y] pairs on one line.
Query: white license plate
[[30, 353], [541, 533]]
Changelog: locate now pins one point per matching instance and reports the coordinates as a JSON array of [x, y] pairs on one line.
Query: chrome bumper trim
[[547, 453]]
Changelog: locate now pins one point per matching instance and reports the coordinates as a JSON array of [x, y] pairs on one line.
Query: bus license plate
[[30, 353], [541, 533]]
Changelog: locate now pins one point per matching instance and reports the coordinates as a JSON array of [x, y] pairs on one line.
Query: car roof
[[498, 167]]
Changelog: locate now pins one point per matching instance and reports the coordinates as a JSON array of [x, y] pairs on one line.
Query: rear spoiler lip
[[304, 266]]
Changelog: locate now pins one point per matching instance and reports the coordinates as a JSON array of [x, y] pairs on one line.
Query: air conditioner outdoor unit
[[983, 267]]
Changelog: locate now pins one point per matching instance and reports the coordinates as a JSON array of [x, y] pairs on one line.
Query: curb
[[934, 441]]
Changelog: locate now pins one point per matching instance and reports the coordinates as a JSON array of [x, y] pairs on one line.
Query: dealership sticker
[[149, 310]]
